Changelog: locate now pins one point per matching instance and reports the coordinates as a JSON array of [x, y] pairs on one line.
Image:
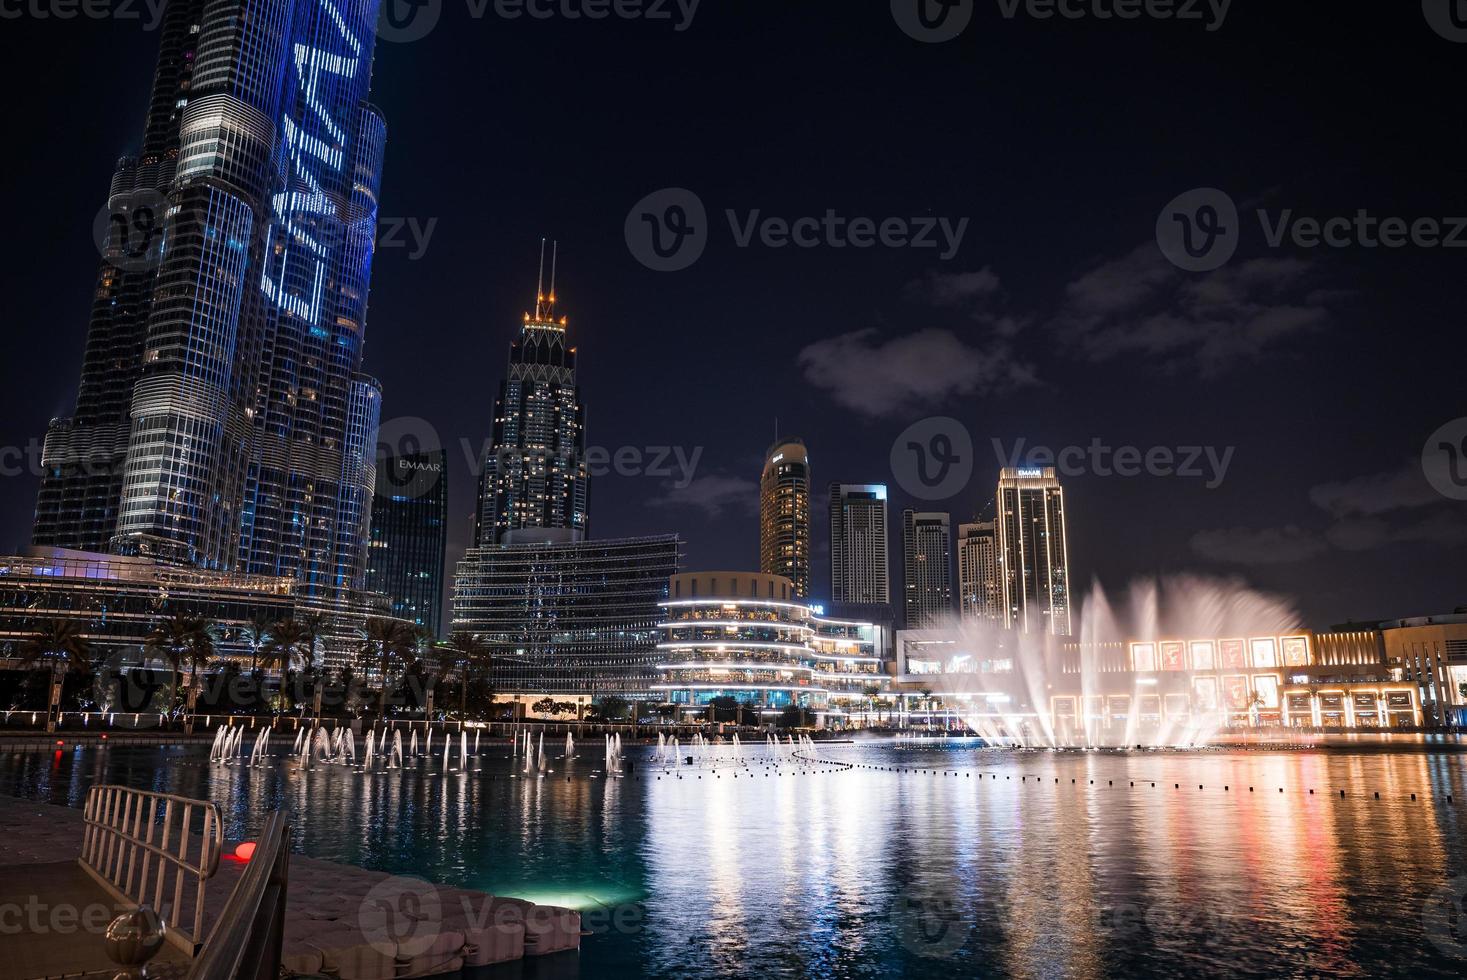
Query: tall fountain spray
[[1026, 671]]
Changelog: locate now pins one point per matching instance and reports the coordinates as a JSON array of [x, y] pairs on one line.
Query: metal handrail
[[247, 941], [118, 850]]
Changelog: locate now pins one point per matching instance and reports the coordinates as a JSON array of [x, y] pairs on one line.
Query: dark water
[[980, 864]]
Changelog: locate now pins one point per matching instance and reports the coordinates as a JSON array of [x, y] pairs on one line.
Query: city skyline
[[1348, 532]]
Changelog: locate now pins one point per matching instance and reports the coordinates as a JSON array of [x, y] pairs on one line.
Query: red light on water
[[245, 851]]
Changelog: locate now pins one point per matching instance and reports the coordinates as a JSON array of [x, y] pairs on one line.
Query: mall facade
[[749, 637], [1403, 674]]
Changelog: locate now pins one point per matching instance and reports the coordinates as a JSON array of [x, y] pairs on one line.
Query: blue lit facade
[[250, 428]]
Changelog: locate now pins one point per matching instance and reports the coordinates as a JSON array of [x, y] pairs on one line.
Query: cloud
[[950, 289], [1356, 505], [1140, 304], [1268, 546], [713, 495], [878, 376], [1445, 528], [1377, 493]]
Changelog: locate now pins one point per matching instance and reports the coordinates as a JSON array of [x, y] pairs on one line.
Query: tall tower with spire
[[533, 484], [223, 418]]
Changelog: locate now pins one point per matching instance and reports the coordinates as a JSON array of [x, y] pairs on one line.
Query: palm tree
[[314, 624], [291, 643], [387, 638], [468, 651], [179, 639], [59, 644], [256, 636]]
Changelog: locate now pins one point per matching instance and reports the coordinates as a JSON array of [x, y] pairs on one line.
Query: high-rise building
[[568, 617], [223, 420], [979, 589], [784, 514], [533, 486], [410, 536], [561, 614], [927, 552], [859, 571], [1033, 551]]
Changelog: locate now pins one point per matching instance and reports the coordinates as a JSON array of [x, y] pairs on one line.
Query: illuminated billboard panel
[[1296, 651], [1235, 692], [1203, 657], [1143, 657], [1173, 656], [1234, 654]]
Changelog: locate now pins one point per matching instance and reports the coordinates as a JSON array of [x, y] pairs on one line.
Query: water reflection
[[1003, 863]]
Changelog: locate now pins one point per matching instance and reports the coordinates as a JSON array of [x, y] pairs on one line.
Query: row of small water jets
[[700, 751], [318, 747]]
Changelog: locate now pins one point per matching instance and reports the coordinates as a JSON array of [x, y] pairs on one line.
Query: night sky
[[1057, 322]]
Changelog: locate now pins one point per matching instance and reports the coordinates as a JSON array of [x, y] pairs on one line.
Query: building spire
[[545, 303]]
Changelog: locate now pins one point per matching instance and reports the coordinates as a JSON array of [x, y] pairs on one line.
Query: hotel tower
[[533, 486], [784, 514], [1033, 551], [223, 420], [561, 613]]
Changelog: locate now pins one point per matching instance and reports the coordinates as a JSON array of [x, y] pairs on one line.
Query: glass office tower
[[410, 536], [225, 421], [568, 617]]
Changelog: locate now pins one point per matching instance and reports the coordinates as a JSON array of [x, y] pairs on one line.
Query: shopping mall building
[[746, 636], [1394, 675]]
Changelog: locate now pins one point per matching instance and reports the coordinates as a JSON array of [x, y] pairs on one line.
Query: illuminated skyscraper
[[1033, 551], [533, 487], [927, 553], [979, 589], [859, 571], [784, 514], [224, 421]]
